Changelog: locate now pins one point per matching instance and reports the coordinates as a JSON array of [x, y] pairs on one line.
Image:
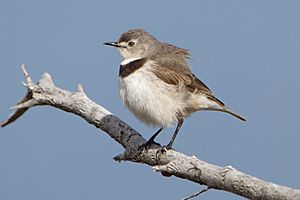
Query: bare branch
[[196, 194], [26, 74], [168, 162]]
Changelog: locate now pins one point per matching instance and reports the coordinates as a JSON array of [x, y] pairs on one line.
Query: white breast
[[150, 99]]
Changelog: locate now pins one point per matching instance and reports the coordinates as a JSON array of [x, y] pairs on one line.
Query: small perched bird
[[157, 85]]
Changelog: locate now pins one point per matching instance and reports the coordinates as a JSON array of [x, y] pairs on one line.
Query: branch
[[168, 162]]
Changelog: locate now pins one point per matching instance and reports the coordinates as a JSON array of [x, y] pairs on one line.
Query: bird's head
[[135, 43]]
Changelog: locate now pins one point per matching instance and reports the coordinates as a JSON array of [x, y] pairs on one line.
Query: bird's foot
[[168, 146], [150, 144], [164, 149]]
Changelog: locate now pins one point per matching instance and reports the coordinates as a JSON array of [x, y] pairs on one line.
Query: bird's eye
[[131, 44]]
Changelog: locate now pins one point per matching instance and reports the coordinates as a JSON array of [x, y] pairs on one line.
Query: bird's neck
[[129, 60]]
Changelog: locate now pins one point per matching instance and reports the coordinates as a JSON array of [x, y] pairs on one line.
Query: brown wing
[[174, 72]]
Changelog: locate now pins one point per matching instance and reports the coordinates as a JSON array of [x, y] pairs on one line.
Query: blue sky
[[247, 52]]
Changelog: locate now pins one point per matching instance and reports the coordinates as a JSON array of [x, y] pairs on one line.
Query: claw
[[150, 144]]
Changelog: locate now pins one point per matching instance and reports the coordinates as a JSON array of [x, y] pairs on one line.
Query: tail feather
[[227, 110], [215, 104]]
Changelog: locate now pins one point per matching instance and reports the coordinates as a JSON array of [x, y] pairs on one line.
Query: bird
[[157, 85]]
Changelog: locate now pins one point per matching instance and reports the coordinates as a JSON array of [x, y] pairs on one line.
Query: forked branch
[[168, 162]]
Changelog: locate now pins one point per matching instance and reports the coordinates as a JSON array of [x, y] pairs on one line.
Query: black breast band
[[126, 70]]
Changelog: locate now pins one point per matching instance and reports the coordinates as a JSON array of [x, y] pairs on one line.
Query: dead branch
[[168, 162]]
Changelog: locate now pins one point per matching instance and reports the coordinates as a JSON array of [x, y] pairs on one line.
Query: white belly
[[151, 100]]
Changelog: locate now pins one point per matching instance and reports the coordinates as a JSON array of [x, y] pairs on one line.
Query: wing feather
[[172, 72]]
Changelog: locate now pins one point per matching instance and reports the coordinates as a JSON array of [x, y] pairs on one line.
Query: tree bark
[[168, 162]]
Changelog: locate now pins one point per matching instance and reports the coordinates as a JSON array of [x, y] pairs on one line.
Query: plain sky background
[[247, 52]]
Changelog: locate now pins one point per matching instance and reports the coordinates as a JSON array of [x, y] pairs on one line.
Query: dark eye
[[131, 44]]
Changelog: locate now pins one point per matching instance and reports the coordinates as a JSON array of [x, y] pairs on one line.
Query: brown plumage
[[172, 68]]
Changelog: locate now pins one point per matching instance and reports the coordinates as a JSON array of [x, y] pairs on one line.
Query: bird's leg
[[151, 140], [179, 124]]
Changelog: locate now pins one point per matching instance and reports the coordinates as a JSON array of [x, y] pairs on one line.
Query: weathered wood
[[168, 162]]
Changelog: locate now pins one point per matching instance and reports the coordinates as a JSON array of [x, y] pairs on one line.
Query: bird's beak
[[114, 44]]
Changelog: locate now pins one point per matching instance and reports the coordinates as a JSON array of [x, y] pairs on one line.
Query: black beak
[[114, 44]]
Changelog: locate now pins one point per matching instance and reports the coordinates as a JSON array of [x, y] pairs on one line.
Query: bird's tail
[[227, 110], [220, 106]]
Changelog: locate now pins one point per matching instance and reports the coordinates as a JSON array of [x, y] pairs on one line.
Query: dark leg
[[179, 124], [151, 140]]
